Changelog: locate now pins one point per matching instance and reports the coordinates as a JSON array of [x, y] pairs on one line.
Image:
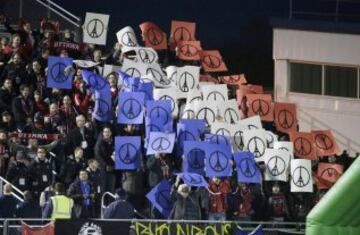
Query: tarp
[[337, 213]]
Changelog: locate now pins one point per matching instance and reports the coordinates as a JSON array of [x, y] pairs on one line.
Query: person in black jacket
[[8, 203], [29, 208], [7, 123], [7, 94], [83, 194], [72, 166], [18, 173], [119, 209], [40, 172], [16, 71], [82, 137], [104, 154], [23, 107], [160, 167]]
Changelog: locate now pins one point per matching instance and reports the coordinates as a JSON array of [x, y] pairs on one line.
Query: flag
[[95, 28], [193, 179], [276, 164], [103, 105], [127, 152], [159, 197], [260, 104], [247, 170], [47, 229], [257, 231], [194, 156], [301, 176], [56, 76], [185, 132], [131, 108], [129, 83], [255, 142], [212, 61], [325, 142], [160, 142], [217, 160], [304, 144], [217, 139], [153, 36], [285, 117], [95, 81]]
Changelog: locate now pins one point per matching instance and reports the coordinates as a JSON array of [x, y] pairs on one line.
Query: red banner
[[67, 46], [304, 144], [49, 137], [212, 61], [45, 230], [285, 117], [188, 50], [208, 78], [181, 31], [153, 36], [330, 172], [260, 104], [326, 143], [238, 79]]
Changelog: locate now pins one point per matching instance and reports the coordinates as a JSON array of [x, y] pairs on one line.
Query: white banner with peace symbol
[[255, 142], [126, 37], [95, 28], [276, 165], [301, 178], [187, 79]]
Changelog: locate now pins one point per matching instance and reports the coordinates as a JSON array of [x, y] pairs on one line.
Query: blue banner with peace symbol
[[129, 83], [94, 81], [159, 110], [127, 152], [147, 88], [194, 156], [159, 197], [193, 179], [103, 106], [218, 139], [56, 75], [131, 108], [186, 132], [217, 160], [160, 142], [247, 170]]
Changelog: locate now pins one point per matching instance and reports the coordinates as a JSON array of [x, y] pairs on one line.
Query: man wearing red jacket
[[218, 190]]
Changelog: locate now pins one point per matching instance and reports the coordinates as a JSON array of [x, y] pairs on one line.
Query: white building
[[318, 69]]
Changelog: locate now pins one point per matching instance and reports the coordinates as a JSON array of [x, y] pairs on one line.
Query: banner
[[71, 46], [153, 36], [160, 142], [187, 79], [95, 28], [270, 138], [95, 81], [47, 229], [49, 137], [185, 228], [304, 144], [168, 94], [127, 152], [229, 110], [246, 168], [126, 37], [325, 142], [193, 179], [286, 146], [188, 50], [276, 165], [238, 79], [56, 76], [260, 104], [255, 142], [215, 92], [301, 180], [194, 157], [181, 31], [330, 172], [217, 139], [206, 110], [83, 227], [133, 69], [103, 105], [146, 55], [131, 108], [257, 231], [285, 117], [218, 160], [186, 132], [159, 110], [155, 74], [159, 197], [212, 61]]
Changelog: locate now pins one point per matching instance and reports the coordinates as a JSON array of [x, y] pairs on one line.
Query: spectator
[[23, 107], [277, 204], [120, 208], [4, 152], [59, 206], [243, 203], [29, 208], [46, 194], [72, 166], [83, 194], [218, 190], [7, 94], [7, 203], [18, 172], [160, 167], [15, 70]]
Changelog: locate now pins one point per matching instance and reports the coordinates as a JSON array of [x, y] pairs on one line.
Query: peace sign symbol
[[185, 135], [207, 114], [286, 119], [128, 39], [301, 176], [247, 168], [167, 97], [158, 76], [95, 28], [128, 153], [257, 146], [211, 61], [215, 94], [146, 56], [96, 82], [218, 161], [302, 146], [162, 197], [182, 34], [231, 115], [260, 107], [223, 131], [160, 144], [186, 82], [157, 112], [131, 108], [329, 173], [192, 179], [323, 142], [188, 50], [238, 140], [102, 108], [195, 158], [219, 139], [133, 72], [276, 165], [57, 72], [154, 36]]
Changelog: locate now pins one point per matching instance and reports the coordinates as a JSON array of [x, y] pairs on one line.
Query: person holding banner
[[218, 190], [277, 204], [243, 202]]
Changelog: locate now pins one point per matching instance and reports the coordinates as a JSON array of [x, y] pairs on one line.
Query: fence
[[13, 226]]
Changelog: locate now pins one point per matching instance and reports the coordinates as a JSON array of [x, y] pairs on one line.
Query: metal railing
[[17, 193], [60, 11]]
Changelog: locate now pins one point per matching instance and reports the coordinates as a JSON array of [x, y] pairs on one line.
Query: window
[[305, 78], [325, 80], [341, 81]]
